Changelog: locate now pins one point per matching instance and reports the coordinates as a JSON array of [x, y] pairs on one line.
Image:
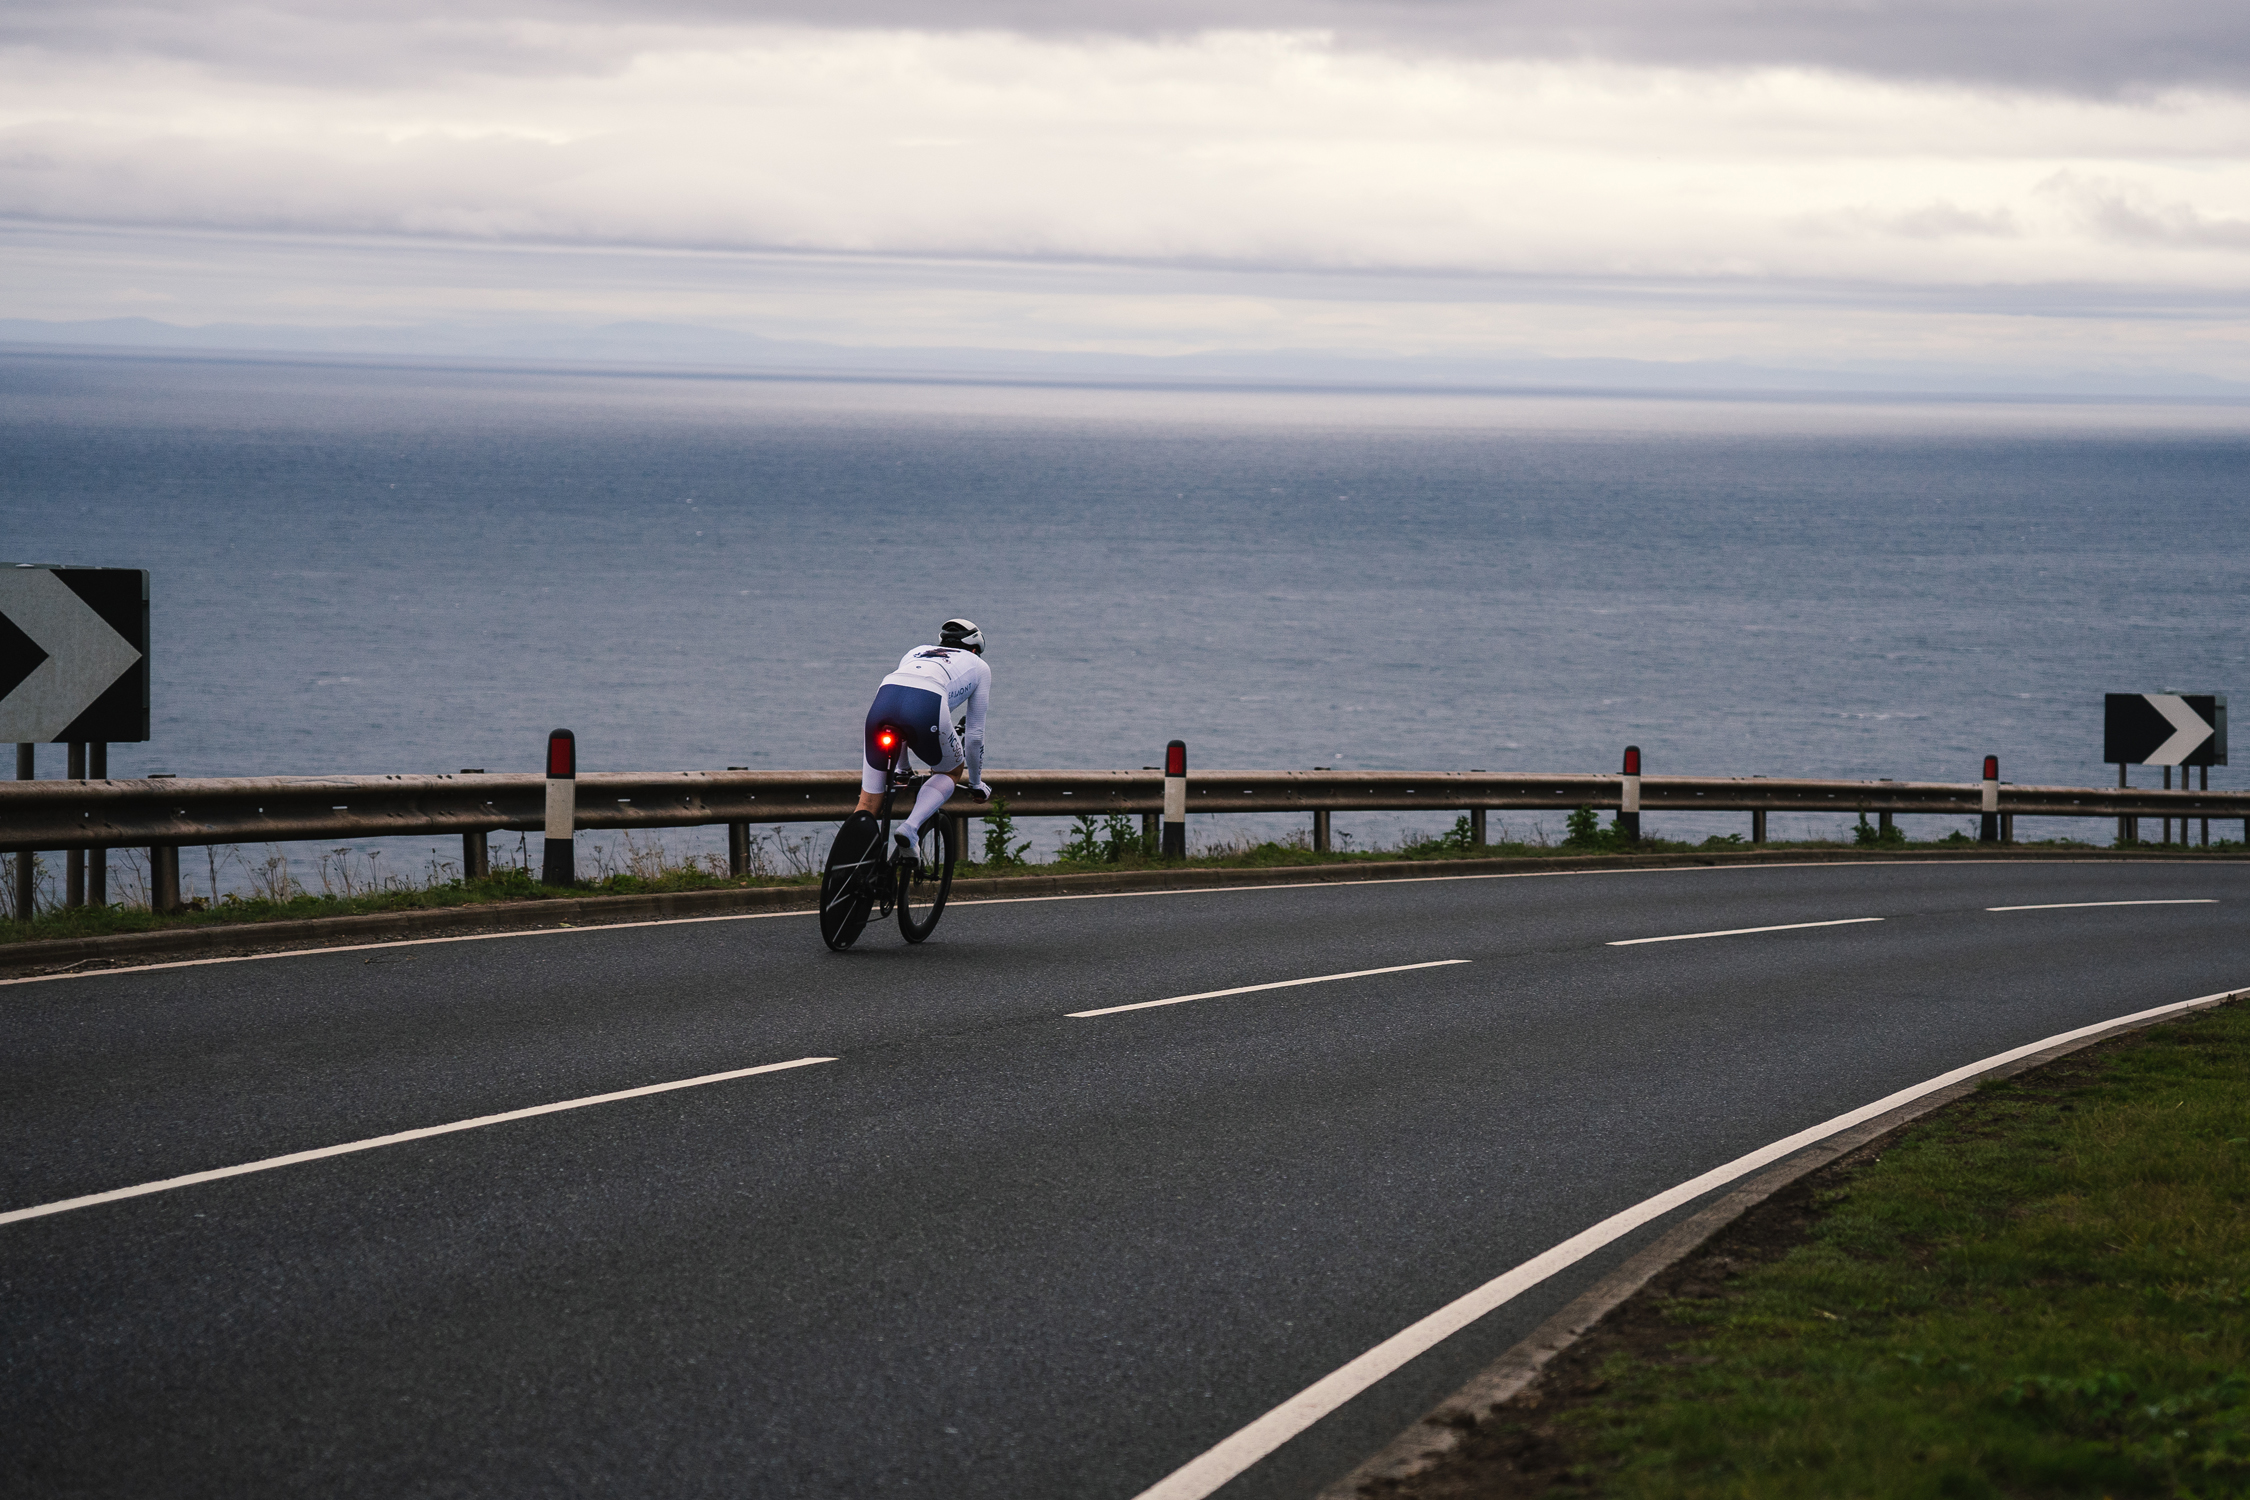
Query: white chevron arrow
[[84, 656], [2188, 729]]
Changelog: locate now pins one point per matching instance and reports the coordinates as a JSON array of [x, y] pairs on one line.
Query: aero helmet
[[962, 633]]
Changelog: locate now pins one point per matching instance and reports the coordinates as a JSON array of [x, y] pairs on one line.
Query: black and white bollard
[[1629, 795], [557, 867], [1990, 832], [1175, 800]]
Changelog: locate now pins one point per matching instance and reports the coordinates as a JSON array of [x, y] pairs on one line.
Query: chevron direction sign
[[73, 654], [2164, 729]]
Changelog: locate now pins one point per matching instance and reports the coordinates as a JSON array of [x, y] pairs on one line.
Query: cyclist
[[919, 700]]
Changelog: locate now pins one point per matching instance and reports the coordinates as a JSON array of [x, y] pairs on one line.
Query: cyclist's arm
[[972, 730]]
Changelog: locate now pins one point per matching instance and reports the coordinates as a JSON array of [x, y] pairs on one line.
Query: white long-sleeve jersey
[[961, 678]]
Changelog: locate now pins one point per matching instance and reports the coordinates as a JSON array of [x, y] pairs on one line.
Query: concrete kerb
[[1442, 1429], [595, 911]]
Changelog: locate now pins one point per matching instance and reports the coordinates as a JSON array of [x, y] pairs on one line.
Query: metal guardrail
[[170, 813]]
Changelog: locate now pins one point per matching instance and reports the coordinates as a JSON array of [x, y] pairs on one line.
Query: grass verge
[[2041, 1290]]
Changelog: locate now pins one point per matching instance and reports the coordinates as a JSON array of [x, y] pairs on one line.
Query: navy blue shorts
[[915, 713]]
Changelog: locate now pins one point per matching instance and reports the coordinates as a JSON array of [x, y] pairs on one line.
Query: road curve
[[993, 1248]]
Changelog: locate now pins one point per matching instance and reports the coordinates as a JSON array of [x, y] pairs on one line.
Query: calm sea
[[379, 569]]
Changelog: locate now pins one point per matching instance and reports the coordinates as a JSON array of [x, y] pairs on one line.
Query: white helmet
[[962, 633]]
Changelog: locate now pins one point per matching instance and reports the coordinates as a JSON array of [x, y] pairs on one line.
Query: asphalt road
[[989, 1251]]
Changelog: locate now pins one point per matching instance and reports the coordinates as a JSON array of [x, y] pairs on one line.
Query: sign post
[[73, 671]]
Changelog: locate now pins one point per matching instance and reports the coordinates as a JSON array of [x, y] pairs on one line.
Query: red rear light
[[886, 739], [1175, 758]]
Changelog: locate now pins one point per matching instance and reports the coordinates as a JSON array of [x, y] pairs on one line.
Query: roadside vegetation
[[271, 886], [2041, 1290]]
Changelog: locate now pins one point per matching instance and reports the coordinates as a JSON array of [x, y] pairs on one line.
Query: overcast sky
[[2044, 185]]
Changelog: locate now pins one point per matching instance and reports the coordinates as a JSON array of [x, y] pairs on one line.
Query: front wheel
[[847, 886], [922, 889]]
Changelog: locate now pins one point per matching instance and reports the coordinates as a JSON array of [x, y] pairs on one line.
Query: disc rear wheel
[[848, 885]]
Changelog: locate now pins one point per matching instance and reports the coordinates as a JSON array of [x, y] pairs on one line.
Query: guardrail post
[[1629, 795], [1989, 831], [1884, 823], [1175, 800], [476, 852], [1321, 838], [1476, 826], [97, 859], [1758, 827], [2206, 778], [163, 868], [2128, 827], [738, 843], [557, 864], [74, 862], [27, 862], [164, 878]]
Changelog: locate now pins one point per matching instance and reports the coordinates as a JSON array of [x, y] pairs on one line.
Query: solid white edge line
[[1251, 989], [1200, 890], [1201, 1475], [562, 930], [2069, 905], [1683, 937], [64, 1205]]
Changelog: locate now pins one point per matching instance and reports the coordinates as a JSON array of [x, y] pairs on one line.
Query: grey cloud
[[2121, 211], [2088, 47], [1937, 220], [1946, 220]]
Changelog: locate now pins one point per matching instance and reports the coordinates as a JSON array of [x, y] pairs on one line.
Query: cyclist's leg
[[933, 796], [949, 767]]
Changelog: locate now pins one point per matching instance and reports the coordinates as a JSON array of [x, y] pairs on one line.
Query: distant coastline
[[658, 350]]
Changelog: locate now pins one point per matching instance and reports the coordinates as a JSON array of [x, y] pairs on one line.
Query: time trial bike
[[863, 879]]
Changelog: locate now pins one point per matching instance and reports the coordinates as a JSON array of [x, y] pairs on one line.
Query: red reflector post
[[1992, 768], [1632, 760], [1173, 845], [558, 865]]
